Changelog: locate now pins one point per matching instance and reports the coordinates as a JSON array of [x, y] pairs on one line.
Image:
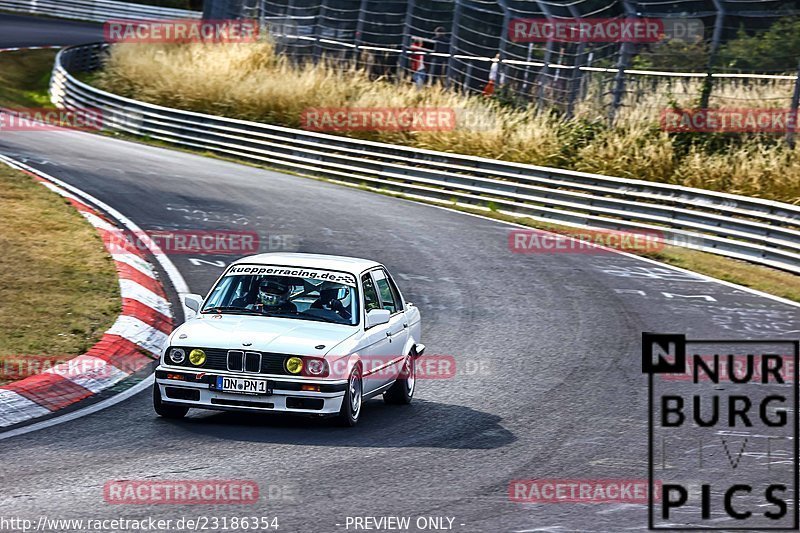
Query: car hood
[[263, 334]]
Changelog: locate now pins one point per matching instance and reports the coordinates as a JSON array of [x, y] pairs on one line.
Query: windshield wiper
[[222, 308]]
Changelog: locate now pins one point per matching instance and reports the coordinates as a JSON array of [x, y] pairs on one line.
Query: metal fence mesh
[[460, 41]]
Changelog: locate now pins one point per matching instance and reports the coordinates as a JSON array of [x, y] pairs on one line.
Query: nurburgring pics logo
[[728, 120], [604, 30], [42, 119], [181, 31], [725, 440]]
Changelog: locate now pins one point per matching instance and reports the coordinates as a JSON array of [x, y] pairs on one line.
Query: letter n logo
[[663, 353]]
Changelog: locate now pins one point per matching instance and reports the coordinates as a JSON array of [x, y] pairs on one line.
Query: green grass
[[24, 78], [57, 283]]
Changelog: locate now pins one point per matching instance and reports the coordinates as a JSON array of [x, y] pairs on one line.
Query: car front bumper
[[194, 389]]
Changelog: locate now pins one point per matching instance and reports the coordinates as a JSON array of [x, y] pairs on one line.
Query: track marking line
[[80, 413], [126, 329]]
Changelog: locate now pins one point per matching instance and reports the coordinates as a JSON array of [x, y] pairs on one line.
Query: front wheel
[[166, 410], [402, 392], [351, 403]]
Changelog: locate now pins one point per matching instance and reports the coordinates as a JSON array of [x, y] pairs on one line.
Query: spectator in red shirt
[[418, 73]]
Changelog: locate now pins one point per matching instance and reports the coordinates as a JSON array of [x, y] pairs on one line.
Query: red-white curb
[[132, 343]]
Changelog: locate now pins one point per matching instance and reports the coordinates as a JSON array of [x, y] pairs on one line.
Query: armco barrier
[[756, 230], [96, 10]]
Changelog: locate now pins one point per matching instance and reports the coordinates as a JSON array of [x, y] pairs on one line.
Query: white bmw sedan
[[293, 333]]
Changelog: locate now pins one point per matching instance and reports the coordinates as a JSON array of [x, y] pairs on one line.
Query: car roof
[[353, 265]]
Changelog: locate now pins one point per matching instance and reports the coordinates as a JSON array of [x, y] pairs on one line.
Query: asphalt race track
[[548, 350], [18, 30]]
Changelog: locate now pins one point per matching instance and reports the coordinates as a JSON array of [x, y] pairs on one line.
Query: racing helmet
[[273, 292]]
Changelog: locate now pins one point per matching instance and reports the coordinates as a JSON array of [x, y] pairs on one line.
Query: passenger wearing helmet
[[273, 296], [328, 299]]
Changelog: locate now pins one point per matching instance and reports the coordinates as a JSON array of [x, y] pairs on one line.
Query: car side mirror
[[376, 317], [193, 302]]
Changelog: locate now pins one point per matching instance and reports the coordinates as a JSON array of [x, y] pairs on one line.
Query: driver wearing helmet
[[273, 296]]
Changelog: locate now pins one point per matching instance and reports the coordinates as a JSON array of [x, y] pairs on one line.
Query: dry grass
[[252, 82], [58, 286]]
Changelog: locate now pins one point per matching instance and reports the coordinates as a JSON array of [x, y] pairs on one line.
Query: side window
[[387, 295], [395, 292], [371, 300]]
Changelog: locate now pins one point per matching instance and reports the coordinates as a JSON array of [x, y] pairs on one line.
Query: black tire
[[402, 392], [166, 410], [350, 411]]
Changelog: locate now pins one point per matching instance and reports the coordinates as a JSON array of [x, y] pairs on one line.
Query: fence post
[[358, 37], [451, 61], [576, 76], [544, 72], [527, 76], [318, 31], [619, 82], [624, 61], [503, 39], [402, 61], [719, 21], [541, 77], [791, 123]]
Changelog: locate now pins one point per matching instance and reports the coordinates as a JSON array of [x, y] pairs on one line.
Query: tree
[[775, 50]]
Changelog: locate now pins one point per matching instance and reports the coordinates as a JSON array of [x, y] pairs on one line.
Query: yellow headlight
[[294, 365], [197, 357]]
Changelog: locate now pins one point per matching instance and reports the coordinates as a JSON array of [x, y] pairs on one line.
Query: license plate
[[243, 386]]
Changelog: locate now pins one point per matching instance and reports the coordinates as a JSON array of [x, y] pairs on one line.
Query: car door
[[398, 325], [377, 347]]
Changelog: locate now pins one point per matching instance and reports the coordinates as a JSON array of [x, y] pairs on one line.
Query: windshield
[[288, 292]]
